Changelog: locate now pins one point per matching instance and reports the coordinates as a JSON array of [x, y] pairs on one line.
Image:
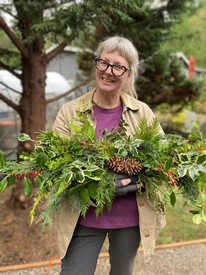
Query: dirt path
[[176, 259]]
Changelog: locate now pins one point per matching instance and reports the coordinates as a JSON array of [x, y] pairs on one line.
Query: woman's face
[[106, 81]]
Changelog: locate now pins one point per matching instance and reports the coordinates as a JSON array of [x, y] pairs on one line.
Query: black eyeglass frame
[[112, 66]]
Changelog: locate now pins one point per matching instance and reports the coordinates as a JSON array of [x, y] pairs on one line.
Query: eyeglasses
[[117, 70]]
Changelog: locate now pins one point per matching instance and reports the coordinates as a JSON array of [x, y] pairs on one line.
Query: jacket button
[[141, 203], [147, 235]]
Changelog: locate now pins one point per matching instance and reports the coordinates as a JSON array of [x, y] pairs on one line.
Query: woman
[[132, 217]]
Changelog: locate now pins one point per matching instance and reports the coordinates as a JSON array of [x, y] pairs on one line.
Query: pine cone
[[128, 166]]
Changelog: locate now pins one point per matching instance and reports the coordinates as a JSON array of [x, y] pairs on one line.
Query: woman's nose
[[109, 70]]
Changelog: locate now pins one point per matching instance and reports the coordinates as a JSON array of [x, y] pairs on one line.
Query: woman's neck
[[107, 100]]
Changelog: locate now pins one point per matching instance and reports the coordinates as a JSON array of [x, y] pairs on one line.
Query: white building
[[10, 86]]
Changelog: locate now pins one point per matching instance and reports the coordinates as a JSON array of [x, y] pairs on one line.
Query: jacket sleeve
[[61, 122]]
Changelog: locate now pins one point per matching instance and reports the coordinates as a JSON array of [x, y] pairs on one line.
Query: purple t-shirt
[[124, 212]]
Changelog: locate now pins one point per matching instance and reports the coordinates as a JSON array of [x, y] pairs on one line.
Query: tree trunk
[[33, 101]]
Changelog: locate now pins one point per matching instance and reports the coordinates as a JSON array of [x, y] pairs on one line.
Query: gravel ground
[[190, 260]]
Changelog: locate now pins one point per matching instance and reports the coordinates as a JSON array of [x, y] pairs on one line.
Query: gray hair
[[126, 48]]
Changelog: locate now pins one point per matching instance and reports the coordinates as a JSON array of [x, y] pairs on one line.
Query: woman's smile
[[108, 80]]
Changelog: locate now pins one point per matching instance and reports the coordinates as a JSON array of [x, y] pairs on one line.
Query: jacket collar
[[128, 101]]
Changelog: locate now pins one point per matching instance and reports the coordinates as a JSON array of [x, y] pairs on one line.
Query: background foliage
[[188, 35]]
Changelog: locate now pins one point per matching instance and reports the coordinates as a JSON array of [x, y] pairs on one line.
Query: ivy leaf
[[84, 195], [87, 174], [68, 176], [92, 168], [97, 174], [28, 188], [80, 176], [94, 172], [24, 137], [172, 198], [91, 160], [77, 163], [3, 184]]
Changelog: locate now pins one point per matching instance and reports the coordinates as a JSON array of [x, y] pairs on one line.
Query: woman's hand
[[125, 184]]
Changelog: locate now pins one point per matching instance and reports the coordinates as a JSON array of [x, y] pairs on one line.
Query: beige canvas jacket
[[150, 222]]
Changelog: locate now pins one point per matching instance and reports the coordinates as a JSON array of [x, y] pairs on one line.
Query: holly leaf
[[39, 180], [28, 188], [193, 173], [172, 198], [3, 184], [168, 163], [181, 171], [201, 159]]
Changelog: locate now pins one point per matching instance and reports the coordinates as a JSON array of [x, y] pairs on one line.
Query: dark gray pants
[[83, 251]]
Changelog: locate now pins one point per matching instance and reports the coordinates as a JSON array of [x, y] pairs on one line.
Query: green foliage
[[164, 81], [8, 52], [144, 24], [186, 32], [74, 170], [180, 227]]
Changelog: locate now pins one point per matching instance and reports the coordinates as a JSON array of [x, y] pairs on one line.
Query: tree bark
[[33, 101]]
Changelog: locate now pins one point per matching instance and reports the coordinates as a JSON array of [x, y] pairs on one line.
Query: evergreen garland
[[74, 169]]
